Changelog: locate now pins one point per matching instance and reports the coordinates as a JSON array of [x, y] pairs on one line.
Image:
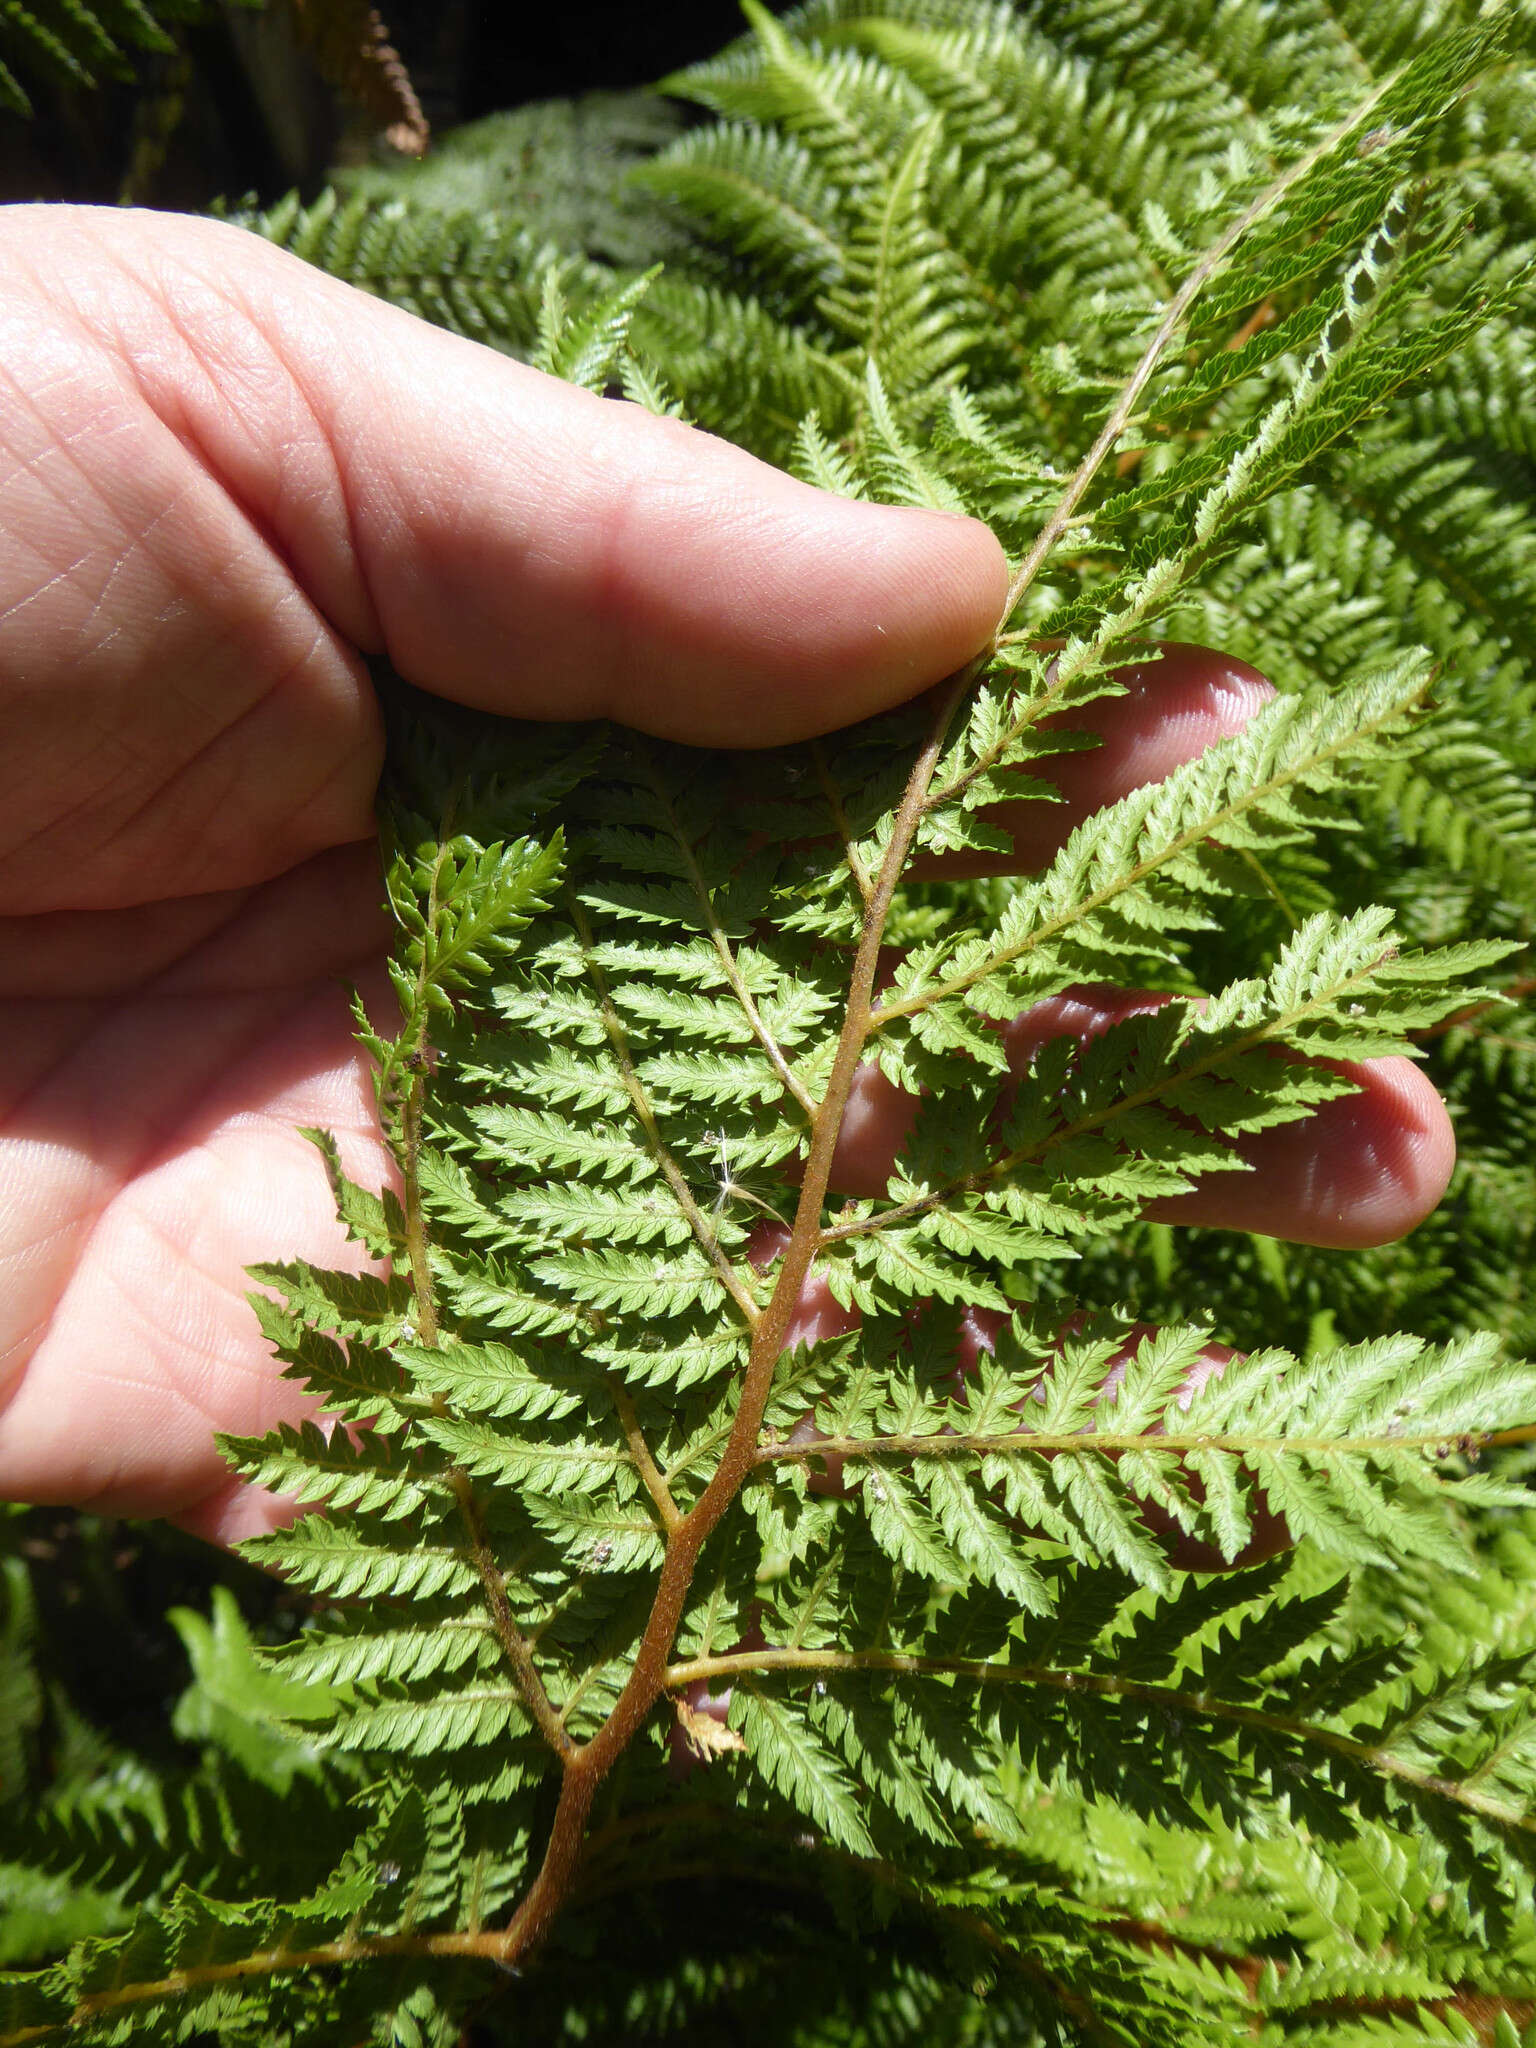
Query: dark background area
[[574, 48], [240, 110]]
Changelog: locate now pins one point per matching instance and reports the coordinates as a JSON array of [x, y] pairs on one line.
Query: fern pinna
[[680, 1503]]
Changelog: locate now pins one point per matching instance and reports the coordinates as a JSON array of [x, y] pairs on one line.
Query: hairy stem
[[585, 1769], [1106, 1443], [1173, 319]]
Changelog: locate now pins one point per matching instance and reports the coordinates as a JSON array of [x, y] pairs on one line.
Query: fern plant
[[75, 45], [656, 1531]]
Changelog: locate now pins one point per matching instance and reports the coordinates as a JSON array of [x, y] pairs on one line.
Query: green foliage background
[[1001, 1772]]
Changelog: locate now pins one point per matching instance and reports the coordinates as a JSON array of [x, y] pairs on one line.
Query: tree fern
[[619, 1573]]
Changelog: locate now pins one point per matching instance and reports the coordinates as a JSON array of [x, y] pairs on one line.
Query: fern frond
[[659, 1444]]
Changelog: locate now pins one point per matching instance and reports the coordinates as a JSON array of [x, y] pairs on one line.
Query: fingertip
[[807, 612], [580, 558], [952, 568], [1398, 1146], [1360, 1171]]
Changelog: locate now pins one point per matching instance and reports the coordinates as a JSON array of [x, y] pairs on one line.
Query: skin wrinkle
[[118, 567], [83, 489], [37, 1041], [275, 318], [339, 776], [25, 344], [60, 579], [217, 945], [274, 607], [182, 1245], [19, 343], [70, 443], [191, 1359], [620, 602], [121, 741], [116, 1480], [16, 1353], [383, 500], [102, 958], [84, 806], [398, 554], [318, 649], [120, 827], [65, 578], [20, 1345], [216, 800], [209, 339], [346, 943], [49, 1226], [359, 619]]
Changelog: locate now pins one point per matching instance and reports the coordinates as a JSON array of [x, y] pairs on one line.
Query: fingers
[[1176, 702], [508, 540], [1364, 1169]]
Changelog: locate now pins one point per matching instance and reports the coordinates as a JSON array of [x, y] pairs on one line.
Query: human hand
[[224, 479]]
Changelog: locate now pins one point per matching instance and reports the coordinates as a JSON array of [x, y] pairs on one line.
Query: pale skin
[[224, 478]]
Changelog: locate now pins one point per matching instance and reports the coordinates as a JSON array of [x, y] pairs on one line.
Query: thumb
[[511, 541]]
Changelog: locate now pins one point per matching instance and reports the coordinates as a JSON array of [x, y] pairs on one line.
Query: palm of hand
[[193, 733], [150, 1153]]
